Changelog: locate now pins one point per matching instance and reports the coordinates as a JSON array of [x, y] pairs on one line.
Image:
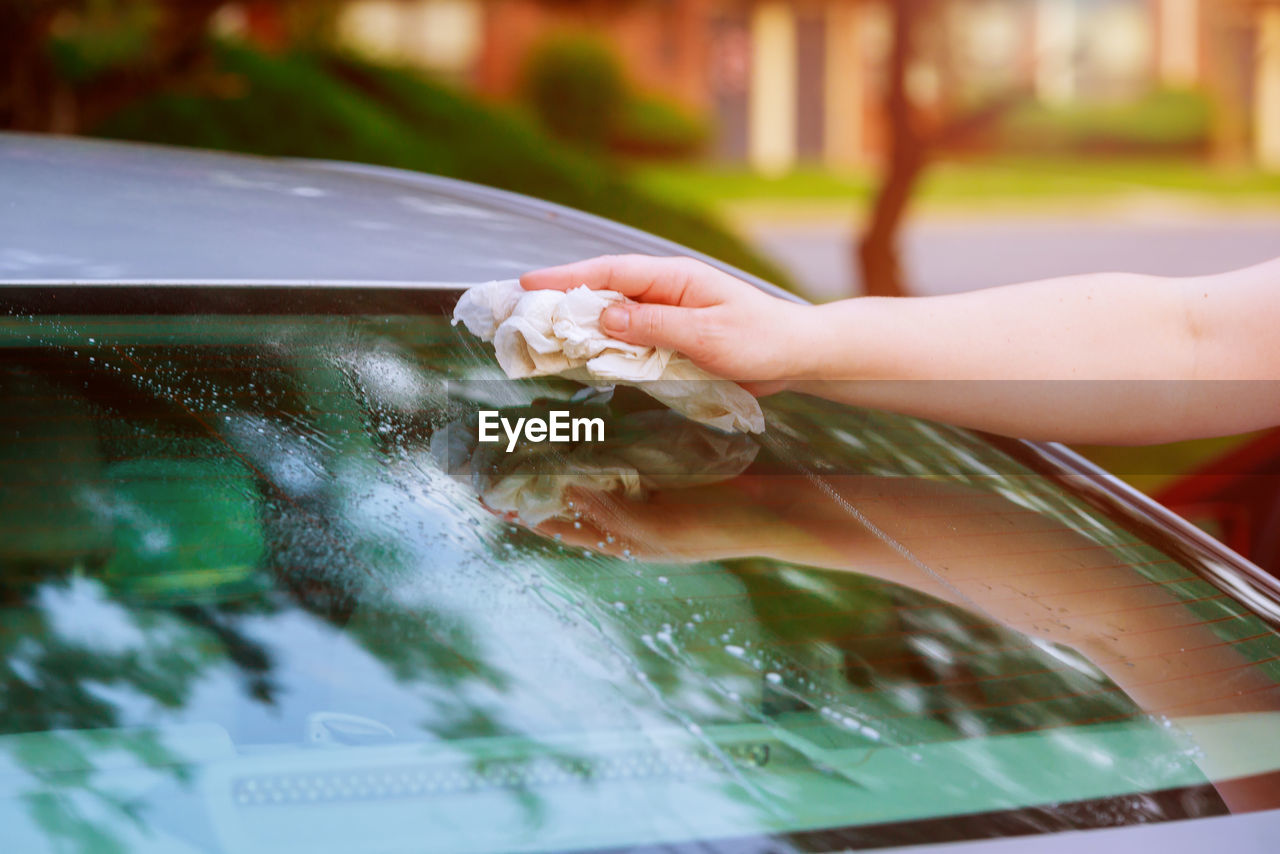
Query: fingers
[[596, 525], [673, 281], [652, 325]]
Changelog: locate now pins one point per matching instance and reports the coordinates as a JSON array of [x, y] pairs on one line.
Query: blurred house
[[798, 80]]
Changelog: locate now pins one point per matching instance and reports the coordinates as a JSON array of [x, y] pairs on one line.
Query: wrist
[[815, 347]]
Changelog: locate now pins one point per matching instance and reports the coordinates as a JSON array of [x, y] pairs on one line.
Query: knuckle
[[651, 322], [686, 273], [608, 271]]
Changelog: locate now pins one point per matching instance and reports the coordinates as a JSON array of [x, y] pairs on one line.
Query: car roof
[[96, 211]]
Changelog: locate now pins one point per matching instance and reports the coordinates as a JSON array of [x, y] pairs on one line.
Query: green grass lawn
[[1051, 183]]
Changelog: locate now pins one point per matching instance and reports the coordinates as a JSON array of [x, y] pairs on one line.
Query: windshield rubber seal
[[238, 297]]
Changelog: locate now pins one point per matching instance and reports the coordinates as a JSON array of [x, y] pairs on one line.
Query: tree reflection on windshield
[[165, 520]]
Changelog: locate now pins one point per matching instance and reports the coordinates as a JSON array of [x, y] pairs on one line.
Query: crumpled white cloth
[[541, 333]]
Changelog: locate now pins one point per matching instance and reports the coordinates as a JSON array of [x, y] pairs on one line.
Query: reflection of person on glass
[[904, 355], [1069, 593]]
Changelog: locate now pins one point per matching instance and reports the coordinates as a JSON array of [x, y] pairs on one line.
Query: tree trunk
[[877, 252], [879, 256], [27, 81]]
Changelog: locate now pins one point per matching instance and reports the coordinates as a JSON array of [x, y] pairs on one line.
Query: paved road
[[945, 257]]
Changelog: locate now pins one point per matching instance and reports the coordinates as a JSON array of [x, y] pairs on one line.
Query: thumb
[[652, 325]]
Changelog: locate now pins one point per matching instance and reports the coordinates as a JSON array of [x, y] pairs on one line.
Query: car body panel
[[149, 213]]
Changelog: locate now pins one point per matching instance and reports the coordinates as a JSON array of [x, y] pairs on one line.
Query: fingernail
[[615, 319]]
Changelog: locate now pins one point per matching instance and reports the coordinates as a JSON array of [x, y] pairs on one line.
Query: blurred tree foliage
[[655, 127], [575, 85], [69, 63]]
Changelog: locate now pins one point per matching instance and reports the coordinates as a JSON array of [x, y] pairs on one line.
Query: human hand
[[783, 516], [748, 516], [723, 324]]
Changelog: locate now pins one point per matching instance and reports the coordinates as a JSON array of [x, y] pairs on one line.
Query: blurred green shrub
[[102, 36], [574, 84], [342, 108], [1165, 121], [654, 127]]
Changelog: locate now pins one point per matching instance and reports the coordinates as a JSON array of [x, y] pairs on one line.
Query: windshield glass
[[262, 590]]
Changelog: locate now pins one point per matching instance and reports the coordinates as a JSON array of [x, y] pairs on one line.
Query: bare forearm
[[1110, 358]]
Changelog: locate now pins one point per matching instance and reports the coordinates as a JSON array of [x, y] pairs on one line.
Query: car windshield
[[260, 591]]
